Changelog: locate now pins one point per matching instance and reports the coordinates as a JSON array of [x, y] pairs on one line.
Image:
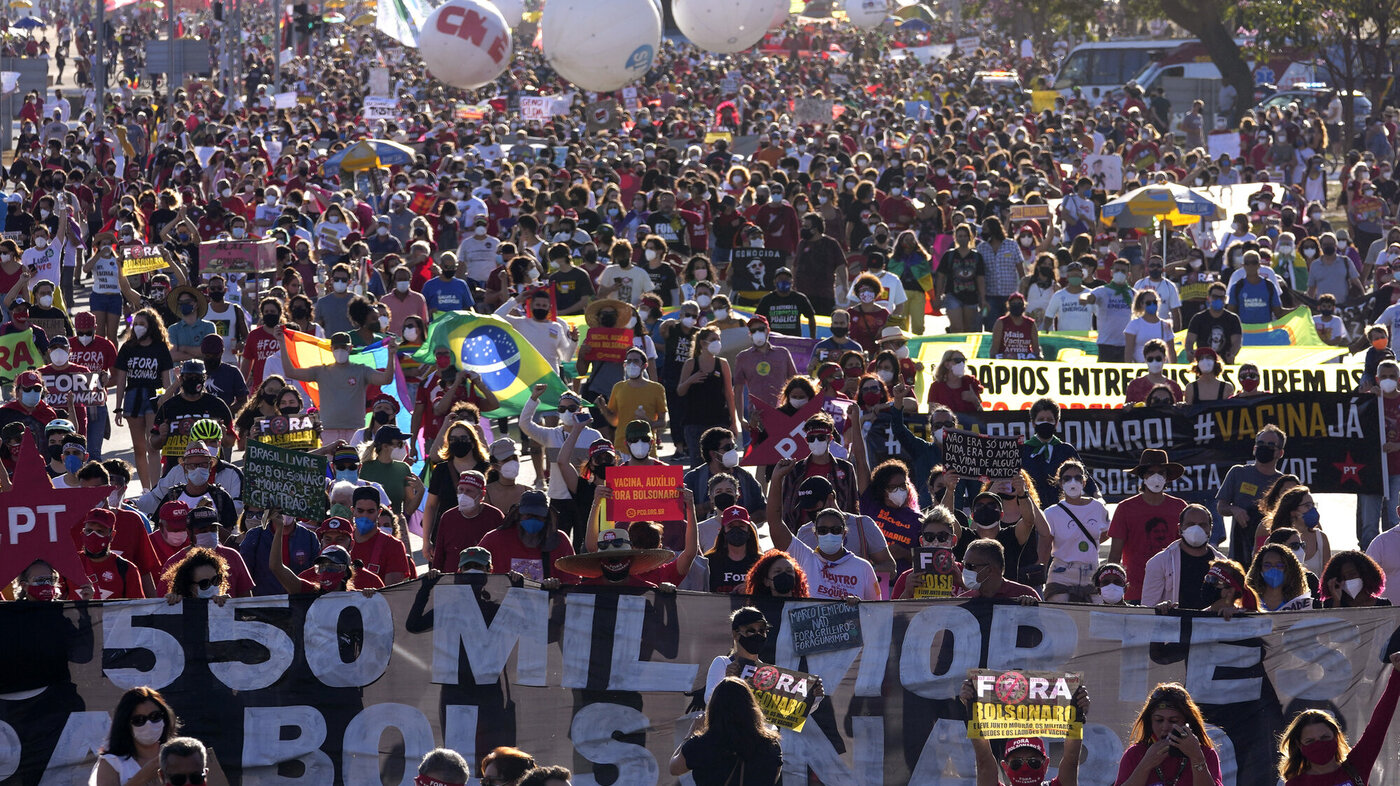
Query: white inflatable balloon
[[725, 26], [465, 43], [600, 45], [512, 10], [780, 15], [867, 14]]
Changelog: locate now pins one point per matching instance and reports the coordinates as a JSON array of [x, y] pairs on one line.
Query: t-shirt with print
[[98, 355], [113, 578], [1254, 302], [382, 555], [570, 287], [631, 283], [847, 575], [727, 575], [1212, 331], [257, 348], [1144, 530], [145, 365], [509, 554], [1069, 311], [785, 312], [960, 274], [1112, 312], [1070, 543]]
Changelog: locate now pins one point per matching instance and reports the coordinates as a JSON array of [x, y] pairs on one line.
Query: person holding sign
[[1025, 760], [1169, 743], [936, 573], [835, 572], [733, 740], [749, 629]]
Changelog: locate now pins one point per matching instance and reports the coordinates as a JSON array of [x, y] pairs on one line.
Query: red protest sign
[[785, 436], [606, 345], [39, 519], [645, 493]]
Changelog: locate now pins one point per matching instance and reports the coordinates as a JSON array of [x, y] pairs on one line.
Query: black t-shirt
[[1212, 331], [1193, 576], [785, 312], [571, 286], [663, 280], [178, 408], [144, 364], [726, 574], [714, 764]]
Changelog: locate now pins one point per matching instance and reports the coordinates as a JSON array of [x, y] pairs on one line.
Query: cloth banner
[[508, 364], [1334, 441], [341, 688]]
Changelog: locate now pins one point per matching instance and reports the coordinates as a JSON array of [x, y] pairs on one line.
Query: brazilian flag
[[508, 364]]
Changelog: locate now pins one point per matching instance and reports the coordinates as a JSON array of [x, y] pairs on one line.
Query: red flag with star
[[39, 519], [786, 438]]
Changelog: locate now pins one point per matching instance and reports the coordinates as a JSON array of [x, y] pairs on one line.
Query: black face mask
[[590, 256], [1209, 593], [380, 417], [987, 515], [840, 332], [736, 536], [753, 642], [290, 409], [1045, 431], [540, 314], [300, 312], [270, 398], [783, 583], [1264, 453], [1016, 308], [607, 320], [724, 500], [271, 320], [459, 449], [217, 295], [617, 574], [192, 386], [807, 234], [54, 452]]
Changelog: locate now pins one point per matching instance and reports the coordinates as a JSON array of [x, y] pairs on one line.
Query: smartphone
[[584, 417]]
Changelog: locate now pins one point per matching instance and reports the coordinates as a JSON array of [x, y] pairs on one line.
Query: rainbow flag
[[305, 350], [508, 364]]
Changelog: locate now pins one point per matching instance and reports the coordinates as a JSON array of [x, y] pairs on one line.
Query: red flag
[[785, 436]]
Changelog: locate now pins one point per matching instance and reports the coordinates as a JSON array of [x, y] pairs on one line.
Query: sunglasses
[[1033, 762], [205, 584], [819, 437], [196, 779], [1067, 478], [354, 465], [829, 530], [604, 545], [155, 717], [937, 424], [935, 537], [640, 439]]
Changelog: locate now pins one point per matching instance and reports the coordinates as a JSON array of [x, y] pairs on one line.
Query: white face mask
[[41, 242], [466, 503], [759, 338], [721, 314], [970, 579], [798, 401], [632, 370], [885, 375], [688, 322], [1353, 587], [398, 454], [1195, 536], [401, 286], [410, 334], [138, 331], [958, 369], [1386, 385], [898, 497], [730, 459], [702, 300], [46, 301], [651, 255], [1119, 277], [383, 322], [1206, 365], [1155, 366], [901, 352], [820, 447], [510, 470], [639, 449], [209, 592], [340, 286], [60, 356], [1155, 483], [206, 540], [85, 339], [342, 356], [150, 732], [1074, 489], [713, 347], [1111, 593]]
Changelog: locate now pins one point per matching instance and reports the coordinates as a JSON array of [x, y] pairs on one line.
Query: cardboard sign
[[602, 116], [978, 456], [294, 432], [18, 354], [177, 437], [291, 480], [786, 438], [143, 259], [1030, 212], [1010, 704], [237, 256], [380, 108], [784, 695], [629, 98], [536, 108], [812, 111], [606, 345], [287, 100], [824, 628], [967, 44], [75, 386], [646, 493], [934, 569]]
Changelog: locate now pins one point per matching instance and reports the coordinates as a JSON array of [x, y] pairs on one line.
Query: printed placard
[[1030, 212], [1016, 703], [537, 108], [645, 493], [934, 572], [237, 256], [292, 480], [812, 111], [380, 108], [979, 456], [606, 345], [784, 695], [18, 354], [292, 432], [76, 386], [824, 628], [143, 259]]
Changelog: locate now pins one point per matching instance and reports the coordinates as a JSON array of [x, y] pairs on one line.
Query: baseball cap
[[757, 321], [534, 503], [503, 449], [732, 514], [1034, 743], [196, 448], [192, 366], [101, 516], [175, 515], [813, 492], [346, 453], [334, 554], [340, 340], [29, 379], [637, 429], [203, 517], [474, 556], [471, 479], [336, 524], [58, 341], [212, 344], [84, 322]]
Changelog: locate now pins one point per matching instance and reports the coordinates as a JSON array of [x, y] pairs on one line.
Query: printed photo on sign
[[785, 696], [934, 571]]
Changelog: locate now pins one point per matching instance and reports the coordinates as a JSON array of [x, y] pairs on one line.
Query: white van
[[1100, 68]]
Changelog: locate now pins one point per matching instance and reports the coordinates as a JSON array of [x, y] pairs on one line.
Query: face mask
[[1155, 366], [1074, 489], [1264, 453], [1320, 752], [831, 542], [467, 504], [970, 579], [191, 386], [206, 540], [1273, 576], [1155, 483], [41, 242], [639, 449], [114, 500], [1387, 385], [688, 322], [1111, 593], [150, 732], [96, 542], [1217, 304], [1195, 536], [510, 470], [724, 500], [347, 475], [1044, 430], [1075, 281], [1352, 587], [753, 642], [199, 476], [342, 356], [1380, 343], [820, 447], [703, 300], [736, 536], [31, 398], [885, 375], [340, 286], [798, 402], [840, 331], [1210, 594], [866, 296], [85, 339], [958, 369], [784, 583], [1017, 308], [532, 526], [898, 497], [364, 525], [632, 370], [730, 458], [714, 346]]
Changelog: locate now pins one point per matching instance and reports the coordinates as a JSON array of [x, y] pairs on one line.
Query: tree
[[1213, 23]]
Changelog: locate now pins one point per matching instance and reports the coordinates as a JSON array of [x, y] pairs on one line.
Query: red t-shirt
[[164, 551], [310, 582], [456, 532], [508, 553], [257, 348], [240, 581], [100, 355], [666, 574], [129, 540], [382, 555], [72, 368], [112, 578], [940, 393], [1144, 530]]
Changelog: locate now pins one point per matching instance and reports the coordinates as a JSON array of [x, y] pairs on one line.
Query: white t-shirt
[[1069, 311], [1070, 543], [848, 575], [1166, 292], [633, 282], [1144, 331], [1339, 328]]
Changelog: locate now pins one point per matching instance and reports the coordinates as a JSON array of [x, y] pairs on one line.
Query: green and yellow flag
[[508, 364]]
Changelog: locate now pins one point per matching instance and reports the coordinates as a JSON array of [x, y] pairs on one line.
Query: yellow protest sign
[[143, 259]]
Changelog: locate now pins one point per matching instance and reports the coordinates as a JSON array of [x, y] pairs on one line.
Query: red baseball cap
[[732, 514], [336, 524], [1034, 743], [84, 321], [175, 515]]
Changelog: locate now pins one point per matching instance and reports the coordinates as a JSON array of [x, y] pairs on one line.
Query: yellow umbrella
[[1165, 202], [363, 20], [335, 4], [21, 4], [369, 154]]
